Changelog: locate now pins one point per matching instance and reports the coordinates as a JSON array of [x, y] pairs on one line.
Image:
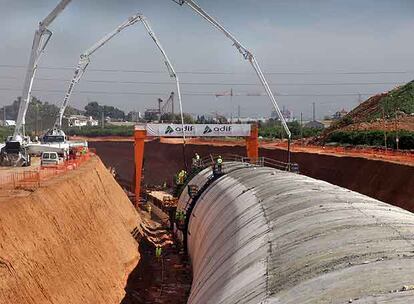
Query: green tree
[[95, 110]]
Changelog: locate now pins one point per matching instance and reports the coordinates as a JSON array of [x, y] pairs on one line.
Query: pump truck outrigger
[[15, 152]]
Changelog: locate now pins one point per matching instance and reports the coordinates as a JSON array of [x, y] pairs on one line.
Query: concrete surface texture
[[68, 241], [258, 235], [389, 182]]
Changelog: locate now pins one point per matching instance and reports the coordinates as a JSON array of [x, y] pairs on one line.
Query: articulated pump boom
[[40, 41], [247, 55], [14, 153], [85, 60]]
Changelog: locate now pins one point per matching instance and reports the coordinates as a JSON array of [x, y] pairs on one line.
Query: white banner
[[208, 130]]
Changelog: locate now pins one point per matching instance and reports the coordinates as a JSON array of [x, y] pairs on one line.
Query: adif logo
[[207, 130], [169, 130]]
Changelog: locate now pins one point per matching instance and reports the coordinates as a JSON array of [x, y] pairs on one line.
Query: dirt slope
[[380, 112], [67, 242]]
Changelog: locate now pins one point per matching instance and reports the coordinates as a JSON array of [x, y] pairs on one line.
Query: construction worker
[[158, 252], [180, 178], [178, 216], [179, 182], [196, 161], [219, 163]]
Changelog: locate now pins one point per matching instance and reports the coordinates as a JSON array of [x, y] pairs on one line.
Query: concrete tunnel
[[260, 235]]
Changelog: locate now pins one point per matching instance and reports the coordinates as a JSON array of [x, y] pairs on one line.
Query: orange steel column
[[140, 134], [252, 143]]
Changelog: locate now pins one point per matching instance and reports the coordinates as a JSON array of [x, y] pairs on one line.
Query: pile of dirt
[[389, 125], [377, 113], [68, 241]]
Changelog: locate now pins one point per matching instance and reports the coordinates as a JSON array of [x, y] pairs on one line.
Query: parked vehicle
[[50, 159]]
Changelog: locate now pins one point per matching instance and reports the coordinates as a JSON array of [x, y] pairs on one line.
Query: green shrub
[[98, 131], [273, 129], [374, 138]]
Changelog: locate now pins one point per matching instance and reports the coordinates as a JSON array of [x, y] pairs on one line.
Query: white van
[[50, 158]]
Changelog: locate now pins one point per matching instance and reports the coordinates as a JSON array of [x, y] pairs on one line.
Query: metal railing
[[259, 162]]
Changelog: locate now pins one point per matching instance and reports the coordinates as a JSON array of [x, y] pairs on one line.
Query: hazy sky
[[332, 48]]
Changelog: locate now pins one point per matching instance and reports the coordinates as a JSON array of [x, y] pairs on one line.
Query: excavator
[[56, 133], [15, 151], [248, 55]]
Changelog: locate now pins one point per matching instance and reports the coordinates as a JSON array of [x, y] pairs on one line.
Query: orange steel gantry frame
[[140, 134], [252, 143]]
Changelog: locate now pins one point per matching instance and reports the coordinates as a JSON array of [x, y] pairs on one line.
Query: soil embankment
[[68, 241], [389, 182]]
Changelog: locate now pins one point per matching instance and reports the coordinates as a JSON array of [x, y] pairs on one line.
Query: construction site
[[209, 212]]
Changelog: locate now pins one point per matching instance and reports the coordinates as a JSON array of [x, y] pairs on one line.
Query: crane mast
[[248, 55], [85, 60], [41, 38], [167, 103]]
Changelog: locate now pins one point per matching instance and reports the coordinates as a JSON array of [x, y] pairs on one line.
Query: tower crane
[[165, 107], [248, 55], [14, 153], [84, 61]]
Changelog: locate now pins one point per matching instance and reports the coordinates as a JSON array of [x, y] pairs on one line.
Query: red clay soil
[[401, 157], [67, 241], [389, 182]]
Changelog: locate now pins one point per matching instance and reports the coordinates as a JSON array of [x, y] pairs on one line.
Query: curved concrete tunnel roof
[[259, 235]]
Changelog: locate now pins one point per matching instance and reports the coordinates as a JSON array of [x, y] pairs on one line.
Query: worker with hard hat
[[158, 251], [196, 161], [181, 176], [219, 163]]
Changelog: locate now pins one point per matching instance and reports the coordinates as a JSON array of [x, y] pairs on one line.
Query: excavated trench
[[386, 181], [77, 238], [70, 241]]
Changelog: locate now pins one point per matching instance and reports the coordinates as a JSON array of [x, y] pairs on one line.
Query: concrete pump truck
[[15, 151]]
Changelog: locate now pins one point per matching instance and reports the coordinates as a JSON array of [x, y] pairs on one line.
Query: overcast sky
[[332, 48]]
